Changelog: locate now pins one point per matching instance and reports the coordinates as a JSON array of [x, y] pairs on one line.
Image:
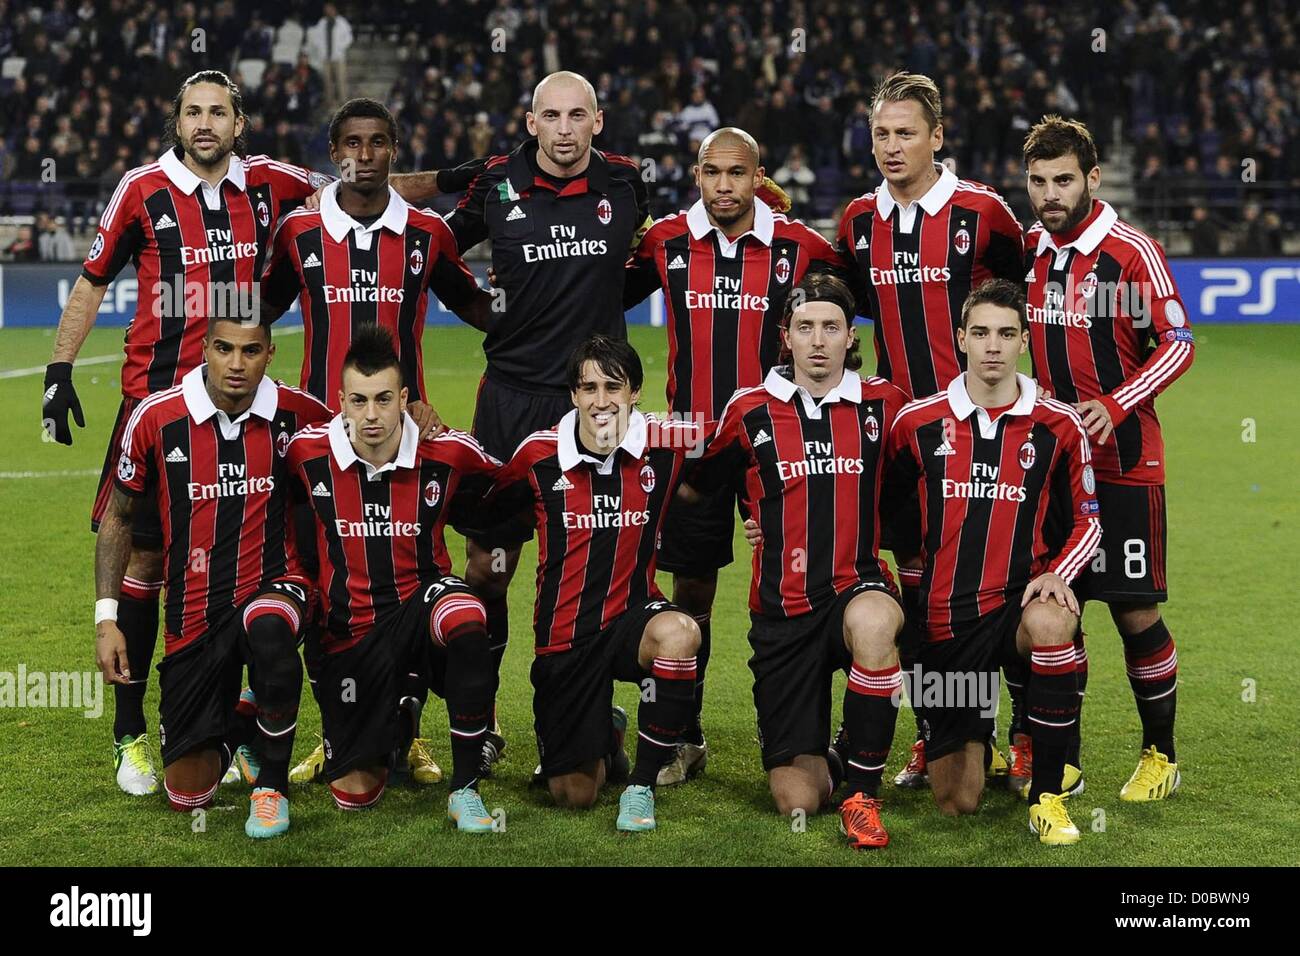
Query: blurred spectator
[[1262, 235], [327, 46], [23, 248], [698, 118], [796, 178], [52, 240], [1205, 233]]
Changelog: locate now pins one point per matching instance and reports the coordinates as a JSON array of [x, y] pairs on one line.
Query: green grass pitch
[[1233, 452]]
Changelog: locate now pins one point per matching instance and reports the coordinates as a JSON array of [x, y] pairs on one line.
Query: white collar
[[697, 219], [1089, 239], [338, 223], [848, 389], [199, 403], [634, 442], [346, 456], [935, 198], [186, 180], [960, 401]]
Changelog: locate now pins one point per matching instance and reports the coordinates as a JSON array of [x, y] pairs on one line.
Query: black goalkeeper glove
[[60, 398], [457, 180]]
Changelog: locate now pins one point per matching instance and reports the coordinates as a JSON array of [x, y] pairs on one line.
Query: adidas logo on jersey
[[164, 222], [176, 455], [515, 213], [762, 438], [1029, 276], [678, 263], [562, 484], [311, 261], [944, 449], [320, 491], [862, 243]]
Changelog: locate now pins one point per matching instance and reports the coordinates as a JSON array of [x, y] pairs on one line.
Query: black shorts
[[955, 694], [573, 691], [358, 689], [900, 531], [199, 684], [504, 417], [695, 540], [1130, 565], [793, 661], [146, 523]]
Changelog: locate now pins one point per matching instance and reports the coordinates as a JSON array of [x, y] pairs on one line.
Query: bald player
[[726, 267], [562, 217]]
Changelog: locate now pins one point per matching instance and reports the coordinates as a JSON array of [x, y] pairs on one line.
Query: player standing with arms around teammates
[[1109, 332], [916, 247], [597, 485], [209, 452], [809, 443], [990, 460], [397, 623], [726, 267], [562, 218]]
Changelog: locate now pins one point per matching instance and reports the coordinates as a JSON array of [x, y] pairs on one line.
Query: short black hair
[[614, 357], [824, 287], [996, 292], [216, 318], [371, 351], [362, 106]]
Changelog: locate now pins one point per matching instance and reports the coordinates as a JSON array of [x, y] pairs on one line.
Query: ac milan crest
[[1028, 455], [263, 213], [782, 270], [961, 242], [604, 212], [1088, 287], [416, 261], [282, 443], [432, 492], [647, 479], [872, 428]]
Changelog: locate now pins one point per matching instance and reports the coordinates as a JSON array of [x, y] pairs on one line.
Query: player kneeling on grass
[[397, 623], [597, 485], [211, 451], [990, 460], [809, 443]]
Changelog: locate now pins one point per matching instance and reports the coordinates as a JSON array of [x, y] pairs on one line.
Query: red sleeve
[[120, 236], [822, 255], [136, 455], [849, 261], [1165, 316], [466, 455], [449, 278], [292, 184], [1076, 479]]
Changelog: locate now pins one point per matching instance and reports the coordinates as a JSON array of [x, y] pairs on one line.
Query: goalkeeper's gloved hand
[[457, 179], [60, 398]]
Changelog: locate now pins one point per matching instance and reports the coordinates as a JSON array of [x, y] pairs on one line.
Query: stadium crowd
[[1197, 89]]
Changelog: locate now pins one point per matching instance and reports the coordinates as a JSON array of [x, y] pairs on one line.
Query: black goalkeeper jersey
[[559, 253]]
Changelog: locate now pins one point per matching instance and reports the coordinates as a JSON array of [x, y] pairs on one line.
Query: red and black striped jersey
[[559, 247], [812, 477], [986, 487], [723, 299], [598, 521], [197, 250], [1106, 322], [379, 529], [346, 274], [912, 268], [223, 493]]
